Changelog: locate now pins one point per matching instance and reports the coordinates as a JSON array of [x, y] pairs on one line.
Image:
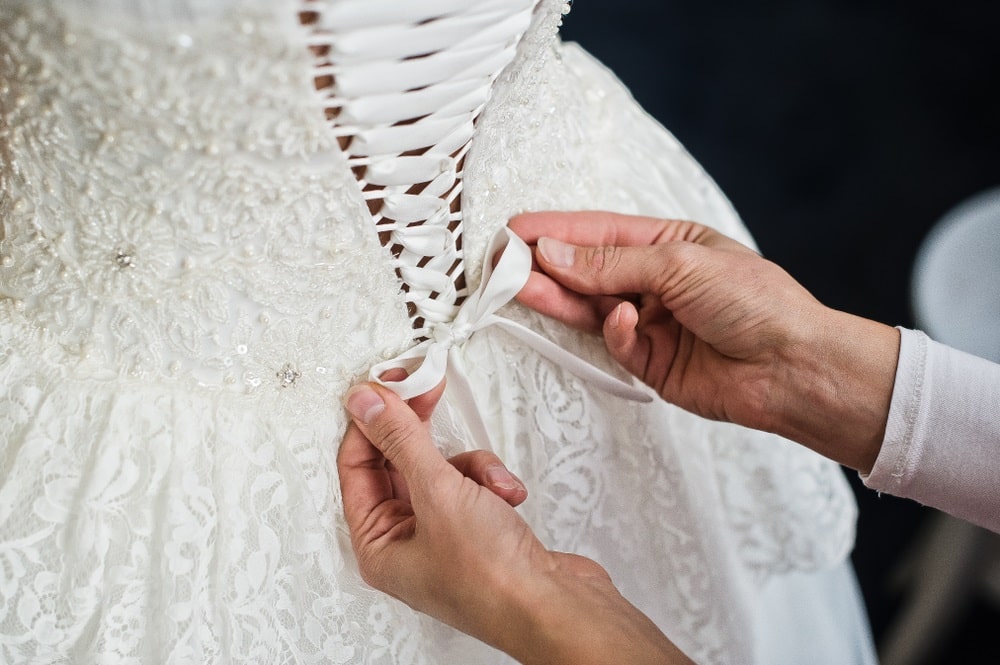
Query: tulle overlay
[[189, 281]]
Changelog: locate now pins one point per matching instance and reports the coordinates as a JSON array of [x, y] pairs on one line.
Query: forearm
[[572, 619], [834, 388]]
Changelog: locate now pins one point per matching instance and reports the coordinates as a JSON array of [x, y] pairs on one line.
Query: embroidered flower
[[291, 363], [126, 253]]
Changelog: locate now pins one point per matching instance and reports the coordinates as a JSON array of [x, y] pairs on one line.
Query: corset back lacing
[[403, 84]]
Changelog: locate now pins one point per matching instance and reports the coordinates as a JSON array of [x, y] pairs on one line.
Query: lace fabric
[[189, 281]]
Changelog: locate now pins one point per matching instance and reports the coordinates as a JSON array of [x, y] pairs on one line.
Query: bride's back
[[217, 216]]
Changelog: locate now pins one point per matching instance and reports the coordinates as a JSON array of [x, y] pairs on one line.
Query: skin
[[706, 322], [715, 328], [409, 509]]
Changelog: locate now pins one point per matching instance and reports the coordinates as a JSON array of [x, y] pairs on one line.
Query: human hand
[[687, 310], [715, 328], [443, 537]]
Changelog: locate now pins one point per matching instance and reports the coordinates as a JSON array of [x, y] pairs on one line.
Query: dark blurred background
[[842, 130]]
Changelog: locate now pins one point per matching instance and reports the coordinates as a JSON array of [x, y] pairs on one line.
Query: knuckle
[[372, 570], [392, 436], [604, 260], [679, 263], [370, 542], [369, 571], [681, 254]]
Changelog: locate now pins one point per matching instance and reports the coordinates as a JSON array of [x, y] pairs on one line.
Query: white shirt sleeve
[[942, 439]]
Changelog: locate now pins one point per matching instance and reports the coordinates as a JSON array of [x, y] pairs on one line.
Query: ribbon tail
[[462, 396], [574, 364]]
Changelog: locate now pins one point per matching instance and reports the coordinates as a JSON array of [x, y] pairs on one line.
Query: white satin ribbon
[[438, 357]]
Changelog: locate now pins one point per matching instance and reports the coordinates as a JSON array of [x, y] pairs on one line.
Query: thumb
[[607, 270], [396, 430]]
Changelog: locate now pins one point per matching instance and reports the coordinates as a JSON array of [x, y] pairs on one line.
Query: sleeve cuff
[[898, 456]]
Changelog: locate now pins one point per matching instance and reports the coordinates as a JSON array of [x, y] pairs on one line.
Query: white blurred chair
[[956, 300]]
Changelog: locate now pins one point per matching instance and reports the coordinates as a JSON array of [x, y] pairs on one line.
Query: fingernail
[[557, 253], [364, 404], [499, 477]]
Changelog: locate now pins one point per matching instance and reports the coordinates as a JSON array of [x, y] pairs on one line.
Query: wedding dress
[[217, 215]]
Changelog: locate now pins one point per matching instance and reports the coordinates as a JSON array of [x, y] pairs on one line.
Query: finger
[[667, 270], [547, 296], [625, 343], [394, 374], [486, 469], [364, 480], [422, 405], [397, 431], [621, 335], [596, 228], [400, 490], [611, 269]]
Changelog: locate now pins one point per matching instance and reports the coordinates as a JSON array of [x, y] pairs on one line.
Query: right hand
[[715, 328], [699, 317]]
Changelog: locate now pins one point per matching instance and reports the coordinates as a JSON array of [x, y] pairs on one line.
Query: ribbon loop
[[499, 285]]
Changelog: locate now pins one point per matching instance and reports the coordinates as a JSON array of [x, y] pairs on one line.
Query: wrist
[[835, 386], [572, 613]]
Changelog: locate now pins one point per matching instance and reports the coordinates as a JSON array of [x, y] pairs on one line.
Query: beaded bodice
[[217, 215], [133, 273]]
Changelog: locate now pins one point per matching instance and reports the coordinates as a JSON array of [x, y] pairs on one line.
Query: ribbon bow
[[440, 353]]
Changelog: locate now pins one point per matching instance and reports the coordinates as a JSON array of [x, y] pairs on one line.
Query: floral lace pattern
[[106, 258], [188, 284]]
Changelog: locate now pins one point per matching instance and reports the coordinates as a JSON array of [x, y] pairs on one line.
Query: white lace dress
[[217, 216]]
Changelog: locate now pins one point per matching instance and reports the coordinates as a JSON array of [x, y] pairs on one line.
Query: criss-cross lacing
[[403, 83]]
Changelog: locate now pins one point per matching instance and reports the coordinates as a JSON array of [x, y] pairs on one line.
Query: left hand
[[434, 533], [443, 537]]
